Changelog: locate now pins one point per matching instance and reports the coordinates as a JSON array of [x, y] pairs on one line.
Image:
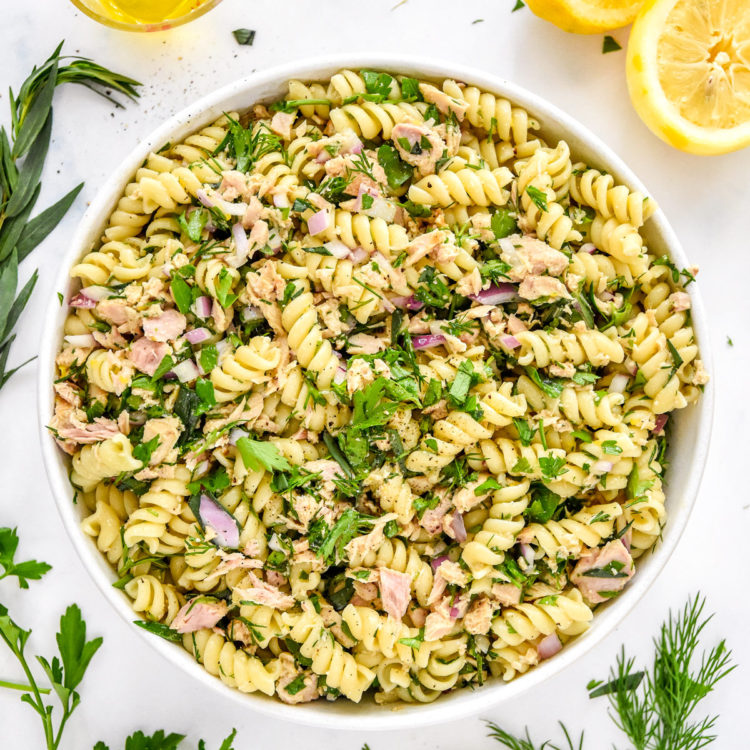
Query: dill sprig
[[654, 708], [526, 743], [657, 713]]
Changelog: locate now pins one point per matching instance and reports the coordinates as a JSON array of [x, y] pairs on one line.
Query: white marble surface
[[128, 685]]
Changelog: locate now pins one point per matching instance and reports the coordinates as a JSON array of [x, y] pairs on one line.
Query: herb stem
[[22, 686]]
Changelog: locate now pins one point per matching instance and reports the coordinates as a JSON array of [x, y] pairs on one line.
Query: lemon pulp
[[703, 59]]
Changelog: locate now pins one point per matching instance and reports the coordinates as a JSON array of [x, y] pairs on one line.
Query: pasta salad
[[366, 390]]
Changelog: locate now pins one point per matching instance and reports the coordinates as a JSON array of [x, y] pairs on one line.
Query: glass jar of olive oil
[[144, 15]]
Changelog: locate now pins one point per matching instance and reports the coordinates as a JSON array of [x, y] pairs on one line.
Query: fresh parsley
[[257, 454], [29, 570], [610, 44]]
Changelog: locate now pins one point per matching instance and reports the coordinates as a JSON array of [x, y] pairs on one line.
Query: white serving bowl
[[690, 435]]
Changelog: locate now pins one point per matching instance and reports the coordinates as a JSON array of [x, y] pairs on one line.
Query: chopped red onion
[[201, 469], [323, 157], [81, 339], [497, 294], [588, 247], [202, 307], [340, 375], [250, 313], [660, 422], [186, 371], [215, 517], [204, 198], [222, 347], [548, 646], [83, 302], [453, 613], [274, 240], [380, 209], [280, 200], [631, 367], [97, 293], [233, 209], [337, 248], [602, 467], [619, 383], [407, 303], [241, 243], [236, 434], [438, 561], [351, 144], [459, 529], [627, 539], [358, 255], [510, 342], [275, 544], [318, 222], [427, 340], [528, 553], [198, 335]]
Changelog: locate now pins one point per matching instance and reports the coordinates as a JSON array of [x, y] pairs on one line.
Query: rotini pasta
[[367, 391]]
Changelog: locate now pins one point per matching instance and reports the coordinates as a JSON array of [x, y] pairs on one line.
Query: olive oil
[[143, 11]]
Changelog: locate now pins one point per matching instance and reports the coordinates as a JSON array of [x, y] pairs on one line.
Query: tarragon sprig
[[22, 157]]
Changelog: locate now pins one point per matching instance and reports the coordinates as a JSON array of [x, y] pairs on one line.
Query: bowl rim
[[320, 714]]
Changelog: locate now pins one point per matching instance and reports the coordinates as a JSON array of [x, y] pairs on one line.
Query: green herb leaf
[[75, 651], [181, 292], [543, 504], [503, 223], [610, 44], [28, 176], [417, 210], [160, 629], [30, 570], [244, 36], [37, 229], [525, 431], [36, 115], [396, 170], [257, 454], [538, 197]]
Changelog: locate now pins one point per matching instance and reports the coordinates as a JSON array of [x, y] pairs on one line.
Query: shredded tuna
[[168, 430], [680, 301], [165, 327], [289, 674], [479, 616], [116, 311], [198, 614], [453, 573], [614, 560], [281, 123], [506, 593], [395, 592], [263, 593], [146, 355], [536, 287], [411, 137], [432, 519], [437, 626], [442, 101]]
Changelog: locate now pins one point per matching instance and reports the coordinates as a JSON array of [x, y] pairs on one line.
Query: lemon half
[[688, 70], [586, 16]]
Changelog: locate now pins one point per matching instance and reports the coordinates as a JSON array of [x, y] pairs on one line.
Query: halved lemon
[[688, 70], [586, 16]]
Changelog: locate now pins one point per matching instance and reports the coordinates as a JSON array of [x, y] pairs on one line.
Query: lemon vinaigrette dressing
[[145, 11]]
